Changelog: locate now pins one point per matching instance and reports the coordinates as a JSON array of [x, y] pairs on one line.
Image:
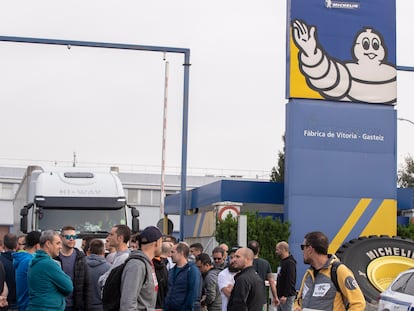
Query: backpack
[[334, 279], [334, 276], [111, 292]]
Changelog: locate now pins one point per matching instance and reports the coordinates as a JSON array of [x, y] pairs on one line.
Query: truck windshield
[[82, 220]]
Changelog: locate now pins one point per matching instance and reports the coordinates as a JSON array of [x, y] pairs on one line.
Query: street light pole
[[403, 119]]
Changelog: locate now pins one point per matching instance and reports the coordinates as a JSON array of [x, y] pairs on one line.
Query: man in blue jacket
[[21, 261], [48, 284], [184, 282]]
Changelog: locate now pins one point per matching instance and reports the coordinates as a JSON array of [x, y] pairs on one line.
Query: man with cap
[[139, 284]]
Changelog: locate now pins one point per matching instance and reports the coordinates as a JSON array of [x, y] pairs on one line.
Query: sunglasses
[[302, 246], [217, 259], [70, 236]]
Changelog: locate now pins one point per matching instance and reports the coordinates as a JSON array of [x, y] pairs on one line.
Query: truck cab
[[91, 200]]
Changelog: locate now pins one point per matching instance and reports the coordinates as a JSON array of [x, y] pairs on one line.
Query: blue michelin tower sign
[[340, 169]]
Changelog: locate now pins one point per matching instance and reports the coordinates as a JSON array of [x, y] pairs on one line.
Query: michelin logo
[[330, 4]]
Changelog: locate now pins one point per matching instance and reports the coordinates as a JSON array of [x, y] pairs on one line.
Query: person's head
[[97, 247], [86, 241], [133, 242], [282, 249], [170, 238], [243, 258], [166, 249], [218, 256], [150, 241], [232, 254], [315, 244], [119, 237], [10, 242], [179, 253], [32, 240], [254, 246], [226, 249], [21, 242], [203, 262], [51, 242], [68, 235], [196, 249]]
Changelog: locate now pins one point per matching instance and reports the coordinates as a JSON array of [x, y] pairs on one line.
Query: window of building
[[6, 191], [145, 198], [132, 196], [156, 197]]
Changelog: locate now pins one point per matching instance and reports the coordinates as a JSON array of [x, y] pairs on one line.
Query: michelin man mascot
[[368, 78]]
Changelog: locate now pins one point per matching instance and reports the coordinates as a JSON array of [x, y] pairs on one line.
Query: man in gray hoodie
[[97, 266], [138, 285]]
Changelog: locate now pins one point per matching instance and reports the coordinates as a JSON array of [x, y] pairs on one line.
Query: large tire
[[376, 261]]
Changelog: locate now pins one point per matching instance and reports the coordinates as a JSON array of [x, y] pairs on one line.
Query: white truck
[[91, 200]]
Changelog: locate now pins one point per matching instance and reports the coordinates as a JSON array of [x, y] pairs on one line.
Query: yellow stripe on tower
[[209, 224], [348, 225], [384, 221], [197, 225]]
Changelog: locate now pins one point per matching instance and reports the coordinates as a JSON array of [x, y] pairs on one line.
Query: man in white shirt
[[225, 280]]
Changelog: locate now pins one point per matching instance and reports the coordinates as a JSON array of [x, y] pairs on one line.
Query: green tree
[[265, 230], [226, 231], [278, 173], [406, 173], [406, 231]]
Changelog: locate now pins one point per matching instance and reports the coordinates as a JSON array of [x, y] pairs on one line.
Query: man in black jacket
[[160, 265], [74, 264], [286, 278], [6, 258], [248, 292]]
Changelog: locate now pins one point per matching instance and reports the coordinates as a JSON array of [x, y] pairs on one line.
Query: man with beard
[[138, 292], [73, 262], [286, 277], [184, 282], [48, 284], [225, 280], [117, 238], [248, 292], [317, 290]]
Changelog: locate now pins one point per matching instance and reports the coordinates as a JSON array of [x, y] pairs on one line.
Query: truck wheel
[[376, 261]]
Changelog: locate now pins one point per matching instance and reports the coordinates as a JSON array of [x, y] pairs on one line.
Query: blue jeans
[[288, 306]]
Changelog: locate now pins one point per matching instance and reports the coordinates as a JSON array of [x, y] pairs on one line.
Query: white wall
[[6, 212]]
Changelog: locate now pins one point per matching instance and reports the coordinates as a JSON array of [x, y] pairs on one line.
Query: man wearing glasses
[[318, 291], [74, 264], [219, 258]]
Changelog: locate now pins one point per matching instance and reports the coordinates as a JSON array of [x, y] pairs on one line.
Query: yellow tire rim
[[383, 270]]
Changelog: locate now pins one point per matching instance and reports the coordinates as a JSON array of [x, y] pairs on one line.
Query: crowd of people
[[45, 271]]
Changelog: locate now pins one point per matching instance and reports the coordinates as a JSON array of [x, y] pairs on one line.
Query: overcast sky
[[106, 105]]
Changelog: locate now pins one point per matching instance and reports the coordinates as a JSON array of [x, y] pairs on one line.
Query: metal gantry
[[122, 46]]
